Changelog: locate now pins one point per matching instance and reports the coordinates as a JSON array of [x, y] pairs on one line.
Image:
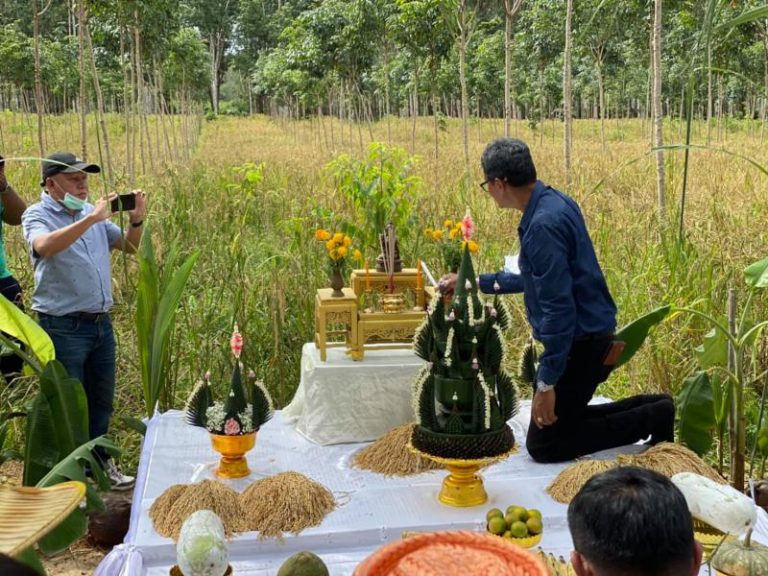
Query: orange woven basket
[[452, 554]]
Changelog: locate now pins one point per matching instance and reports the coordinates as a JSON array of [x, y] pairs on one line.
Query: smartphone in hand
[[124, 202]]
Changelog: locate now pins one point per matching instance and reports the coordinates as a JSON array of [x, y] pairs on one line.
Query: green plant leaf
[[743, 18], [31, 559], [756, 274], [721, 397], [696, 413], [634, 334], [69, 531], [134, 424], [69, 406], [40, 451], [14, 322], [713, 351]]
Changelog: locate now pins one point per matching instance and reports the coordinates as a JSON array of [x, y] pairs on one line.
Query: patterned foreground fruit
[[736, 558]]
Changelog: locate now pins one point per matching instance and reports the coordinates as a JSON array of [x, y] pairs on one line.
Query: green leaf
[[71, 529], [696, 413], [747, 16], [14, 322], [721, 396], [713, 351], [756, 274], [634, 334], [40, 451], [69, 406], [134, 424], [31, 559]]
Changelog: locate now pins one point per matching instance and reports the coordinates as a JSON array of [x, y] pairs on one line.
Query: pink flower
[[231, 427], [467, 227], [236, 342]]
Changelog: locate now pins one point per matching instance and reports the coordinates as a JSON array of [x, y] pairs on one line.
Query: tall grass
[[259, 263]]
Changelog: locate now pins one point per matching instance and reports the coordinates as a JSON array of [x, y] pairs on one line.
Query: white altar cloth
[[373, 510], [343, 400]]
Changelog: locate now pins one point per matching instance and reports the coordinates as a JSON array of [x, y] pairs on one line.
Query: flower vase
[[233, 449], [337, 283]]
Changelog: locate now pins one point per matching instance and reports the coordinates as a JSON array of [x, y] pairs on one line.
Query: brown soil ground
[[80, 560]]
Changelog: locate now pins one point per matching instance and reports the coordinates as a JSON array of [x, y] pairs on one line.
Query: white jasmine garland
[[487, 400], [419, 330], [416, 390], [260, 385], [215, 417], [449, 346], [471, 310]]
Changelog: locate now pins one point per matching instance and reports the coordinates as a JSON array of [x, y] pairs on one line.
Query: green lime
[[510, 519], [507, 535], [494, 512], [534, 525], [517, 512], [496, 525], [519, 530], [534, 513]]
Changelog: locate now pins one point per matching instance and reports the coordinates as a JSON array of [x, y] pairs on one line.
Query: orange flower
[[322, 235], [338, 238], [357, 255], [347, 241], [330, 245], [342, 250]]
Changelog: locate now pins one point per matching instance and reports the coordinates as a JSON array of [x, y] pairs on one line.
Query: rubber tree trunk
[[38, 79], [568, 93], [658, 114]]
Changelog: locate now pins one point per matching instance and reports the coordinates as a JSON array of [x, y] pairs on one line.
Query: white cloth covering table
[[373, 509], [343, 400]]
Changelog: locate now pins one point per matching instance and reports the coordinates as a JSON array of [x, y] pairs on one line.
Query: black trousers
[[581, 429]]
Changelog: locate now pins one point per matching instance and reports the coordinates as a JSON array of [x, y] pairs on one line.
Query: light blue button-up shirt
[[79, 278]]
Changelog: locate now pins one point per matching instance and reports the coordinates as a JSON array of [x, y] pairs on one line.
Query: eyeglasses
[[484, 185]]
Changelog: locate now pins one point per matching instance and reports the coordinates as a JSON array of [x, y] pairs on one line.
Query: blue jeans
[[86, 348]]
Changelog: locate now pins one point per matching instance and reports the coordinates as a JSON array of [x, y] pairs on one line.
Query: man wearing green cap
[[70, 242]]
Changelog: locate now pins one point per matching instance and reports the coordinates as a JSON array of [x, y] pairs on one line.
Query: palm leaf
[[197, 404], [262, 405], [506, 389], [427, 415], [527, 367], [235, 402]]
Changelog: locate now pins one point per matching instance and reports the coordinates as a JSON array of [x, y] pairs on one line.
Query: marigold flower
[[342, 250], [322, 235], [338, 237], [331, 244], [428, 232], [334, 253], [437, 235], [347, 241], [448, 223], [357, 255], [474, 247], [455, 233]]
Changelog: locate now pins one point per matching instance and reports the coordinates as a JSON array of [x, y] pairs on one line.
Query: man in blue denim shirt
[[70, 242], [572, 315]]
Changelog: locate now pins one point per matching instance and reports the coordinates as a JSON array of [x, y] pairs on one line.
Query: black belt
[[89, 316], [594, 336]]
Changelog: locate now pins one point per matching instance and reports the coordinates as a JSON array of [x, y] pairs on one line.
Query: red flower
[[236, 342], [231, 427], [467, 227]]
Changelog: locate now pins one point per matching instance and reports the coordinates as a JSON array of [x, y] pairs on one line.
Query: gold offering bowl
[[176, 571], [463, 486], [233, 449]]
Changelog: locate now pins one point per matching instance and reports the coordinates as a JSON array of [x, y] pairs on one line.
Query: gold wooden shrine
[[369, 315]]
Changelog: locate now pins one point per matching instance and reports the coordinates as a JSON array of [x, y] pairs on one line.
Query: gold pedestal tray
[[709, 537], [463, 487], [233, 449]]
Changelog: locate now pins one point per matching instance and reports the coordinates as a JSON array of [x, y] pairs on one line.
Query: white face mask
[[73, 202]]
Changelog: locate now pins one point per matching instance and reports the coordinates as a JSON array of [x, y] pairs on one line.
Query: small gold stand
[[463, 487]]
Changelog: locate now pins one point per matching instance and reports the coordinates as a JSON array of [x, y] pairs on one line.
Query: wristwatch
[[543, 387]]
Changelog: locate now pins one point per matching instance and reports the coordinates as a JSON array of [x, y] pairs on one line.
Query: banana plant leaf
[[69, 406], [40, 450], [14, 322], [696, 413], [71, 468], [634, 334], [756, 274]]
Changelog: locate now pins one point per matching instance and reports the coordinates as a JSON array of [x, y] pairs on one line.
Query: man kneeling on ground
[[632, 522]]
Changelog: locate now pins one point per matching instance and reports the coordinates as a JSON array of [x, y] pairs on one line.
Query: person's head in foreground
[[632, 522], [11, 567], [509, 171], [65, 178]]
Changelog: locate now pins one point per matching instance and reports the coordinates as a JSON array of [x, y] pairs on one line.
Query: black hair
[[11, 567], [631, 521], [510, 160]]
